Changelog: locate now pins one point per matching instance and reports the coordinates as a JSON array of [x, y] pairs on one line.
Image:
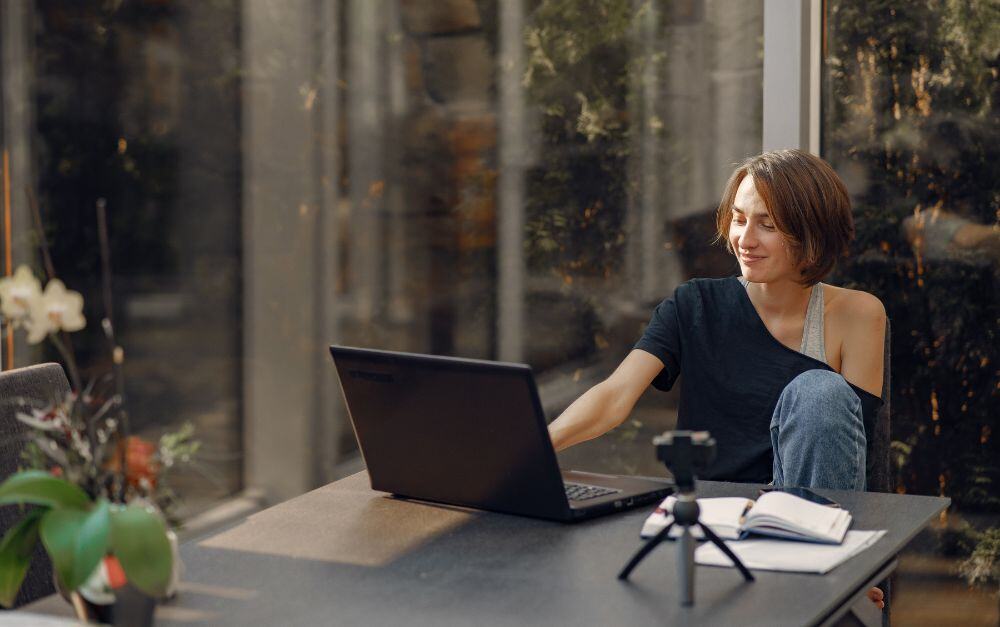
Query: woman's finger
[[876, 596]]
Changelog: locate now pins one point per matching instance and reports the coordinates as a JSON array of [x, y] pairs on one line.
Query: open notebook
[[774, 514]]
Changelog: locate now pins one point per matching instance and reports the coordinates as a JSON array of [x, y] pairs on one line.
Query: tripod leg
[[651, 544], [725, 549]]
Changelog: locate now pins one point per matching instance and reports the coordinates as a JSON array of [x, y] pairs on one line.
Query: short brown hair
[[807, 202]]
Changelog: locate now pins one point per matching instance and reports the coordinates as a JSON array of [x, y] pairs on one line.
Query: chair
[[879, 471], [40, 385], [879, 476]]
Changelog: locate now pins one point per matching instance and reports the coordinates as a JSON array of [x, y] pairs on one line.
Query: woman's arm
[[607, 404], [863, 348]]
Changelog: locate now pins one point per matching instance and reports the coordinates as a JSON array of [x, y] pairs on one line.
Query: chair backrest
[[879, 471], [38, 385]]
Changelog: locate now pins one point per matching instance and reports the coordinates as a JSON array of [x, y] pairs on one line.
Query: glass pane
[[910, 121], [626, 120], [136, 103], [388, 147]]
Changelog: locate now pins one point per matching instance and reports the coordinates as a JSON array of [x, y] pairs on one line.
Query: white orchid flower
[[57, 309], [17, 293]]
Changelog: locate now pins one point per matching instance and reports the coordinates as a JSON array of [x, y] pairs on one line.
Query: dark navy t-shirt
[[734, 372]]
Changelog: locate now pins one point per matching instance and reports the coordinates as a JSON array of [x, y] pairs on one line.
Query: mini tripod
[[682, 452]]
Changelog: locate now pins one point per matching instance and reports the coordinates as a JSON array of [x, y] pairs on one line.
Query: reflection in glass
[[911, 121], [135, 103], [606, 130], [357, 165]]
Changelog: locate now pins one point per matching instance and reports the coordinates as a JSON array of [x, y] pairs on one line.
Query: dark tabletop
[[346, 555]]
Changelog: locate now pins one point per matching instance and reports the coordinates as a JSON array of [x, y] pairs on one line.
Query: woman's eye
[[769, 227]]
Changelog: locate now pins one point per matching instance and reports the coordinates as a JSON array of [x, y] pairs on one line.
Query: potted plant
[[98, 503]]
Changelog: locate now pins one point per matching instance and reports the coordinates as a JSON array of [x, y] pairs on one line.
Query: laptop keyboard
[[583, 492]]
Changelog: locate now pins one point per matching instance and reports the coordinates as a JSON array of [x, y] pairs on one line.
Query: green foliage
[[77, 533], [178, 446], [982, 568], [910, 122], [914, 105], [15, 554], [139, 541], [580, 69], [76, 541], [40, 488]]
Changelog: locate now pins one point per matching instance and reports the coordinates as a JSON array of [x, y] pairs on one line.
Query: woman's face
[[762, 251]]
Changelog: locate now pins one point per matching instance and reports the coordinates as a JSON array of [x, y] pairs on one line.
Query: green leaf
[[76, 541], [59, 530], [15, 555], [139, 541], [40, 488], [92, 542]]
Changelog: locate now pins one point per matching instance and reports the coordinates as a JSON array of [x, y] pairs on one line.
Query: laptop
[[471, 433]]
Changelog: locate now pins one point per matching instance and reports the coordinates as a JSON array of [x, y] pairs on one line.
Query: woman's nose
[[747, 240]]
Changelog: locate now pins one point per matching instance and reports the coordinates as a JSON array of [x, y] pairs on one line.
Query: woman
[[784, 370]]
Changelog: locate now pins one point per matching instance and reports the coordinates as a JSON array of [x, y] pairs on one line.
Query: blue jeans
[[817, 434]]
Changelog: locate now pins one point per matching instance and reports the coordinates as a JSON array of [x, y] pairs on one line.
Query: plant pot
[[131, 608], [125, 606]]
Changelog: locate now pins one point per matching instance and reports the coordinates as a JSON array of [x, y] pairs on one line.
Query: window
[[136, 104], [910, 122]]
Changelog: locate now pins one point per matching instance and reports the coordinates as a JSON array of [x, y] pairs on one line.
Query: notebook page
[[778, 510]]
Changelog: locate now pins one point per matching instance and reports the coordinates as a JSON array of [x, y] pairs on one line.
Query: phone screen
[[804, 493]]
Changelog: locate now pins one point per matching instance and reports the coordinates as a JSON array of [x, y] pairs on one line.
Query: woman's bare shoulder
[[857, 319], [852, 308]]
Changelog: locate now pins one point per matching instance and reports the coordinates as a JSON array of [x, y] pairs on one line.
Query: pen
[[746, 509]]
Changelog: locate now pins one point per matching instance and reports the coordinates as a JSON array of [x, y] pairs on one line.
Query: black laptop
[[471, 433]]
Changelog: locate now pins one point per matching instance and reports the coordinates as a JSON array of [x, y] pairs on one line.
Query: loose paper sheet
[[789, 555]]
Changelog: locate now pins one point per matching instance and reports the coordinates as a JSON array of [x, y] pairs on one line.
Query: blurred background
[[520, 180]]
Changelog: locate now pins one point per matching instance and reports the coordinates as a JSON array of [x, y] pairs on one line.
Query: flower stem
[[117, 354], [80, 404], [102, 235], [43, 243], [67, 355]]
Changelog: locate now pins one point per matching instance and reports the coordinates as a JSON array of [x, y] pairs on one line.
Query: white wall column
[[15, 138], [791, 74], [511, 185], [365, 156], [331, 417], [284, 290]]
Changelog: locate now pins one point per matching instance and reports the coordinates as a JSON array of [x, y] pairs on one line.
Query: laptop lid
[[460, 431]]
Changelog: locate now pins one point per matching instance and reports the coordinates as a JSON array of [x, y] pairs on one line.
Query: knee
[[820, 386], [822, 398]]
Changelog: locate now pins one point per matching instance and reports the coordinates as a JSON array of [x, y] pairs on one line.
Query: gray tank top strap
[[813, 337], [813, 342]]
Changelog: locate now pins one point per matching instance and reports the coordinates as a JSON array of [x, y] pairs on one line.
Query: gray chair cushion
[[40, 385]]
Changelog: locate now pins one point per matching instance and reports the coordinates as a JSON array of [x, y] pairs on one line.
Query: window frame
[[792, 72]]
